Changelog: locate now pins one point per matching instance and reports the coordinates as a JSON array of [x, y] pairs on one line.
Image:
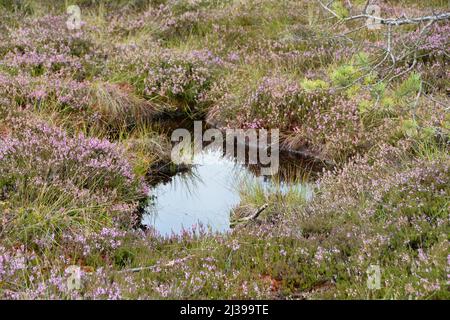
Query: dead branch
[[252, 217], [388, 21], [258, 212], [153, 267], [388, 49], [402, 21]]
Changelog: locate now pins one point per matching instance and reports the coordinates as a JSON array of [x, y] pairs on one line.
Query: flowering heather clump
[[38, 160], [59, 154], [322, 120], [50, 279], [45, 45], [171, 20], [66, 94], [291, 52], [382, 175], [95, 103], [433, 42], [167, 76], [280, 103], [276, 102], [38, 63], [184, 77], [397, 207], [336, 130], [380, 209], [183, 24]]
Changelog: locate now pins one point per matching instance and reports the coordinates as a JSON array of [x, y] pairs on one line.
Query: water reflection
[[207, 193]]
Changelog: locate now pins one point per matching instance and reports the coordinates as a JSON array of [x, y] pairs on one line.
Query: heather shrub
[[274, 102], [432, 42], [181, 77], [187, 5], [61, 153], [97, 106], [49, 91], [74, 182], [174, 80], [170, 21], [386, 209], [133, 24], [38, 276], [45, 45], [336, 131], [435, 76], [181, 25], [323, 121]]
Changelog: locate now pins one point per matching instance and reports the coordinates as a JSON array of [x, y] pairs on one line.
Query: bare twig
[[326, 7], [253, 216], [401, 21], [388, 21], [258, 212], [168, 264]]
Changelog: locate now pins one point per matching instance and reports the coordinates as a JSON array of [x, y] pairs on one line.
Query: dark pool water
[[208, 193]]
